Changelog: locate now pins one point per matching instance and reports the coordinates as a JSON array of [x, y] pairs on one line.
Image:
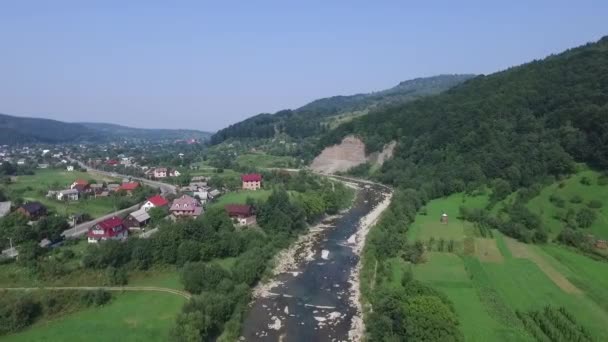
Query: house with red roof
[[80, 185], [251, 181], [241, 214], [129, 187], [157, 201], [109, 229], [186, 206], [112, 162]]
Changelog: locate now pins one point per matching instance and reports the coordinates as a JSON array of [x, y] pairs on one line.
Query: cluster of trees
[[411, 311], [15, 227], [18, 310], [10, 169], [554, 324]]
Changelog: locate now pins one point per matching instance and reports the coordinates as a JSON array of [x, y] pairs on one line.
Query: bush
[[97, 297], [585, 218], [602, 180], [576, 199], [116, 276], [594, 204], [557, 201], [585, 181]]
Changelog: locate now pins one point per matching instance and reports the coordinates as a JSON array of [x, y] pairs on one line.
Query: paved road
[[107, 288], [82, 228], [164, 187]]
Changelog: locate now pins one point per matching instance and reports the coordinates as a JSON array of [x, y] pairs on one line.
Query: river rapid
[[312, 299]]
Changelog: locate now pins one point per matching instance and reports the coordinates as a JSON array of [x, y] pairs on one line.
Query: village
[[110, 207]]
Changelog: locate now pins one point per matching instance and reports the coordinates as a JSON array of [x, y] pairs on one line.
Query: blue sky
[[205, 65]]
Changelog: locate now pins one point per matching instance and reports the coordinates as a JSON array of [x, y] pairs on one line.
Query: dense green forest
[[308, 120], [508, 130]]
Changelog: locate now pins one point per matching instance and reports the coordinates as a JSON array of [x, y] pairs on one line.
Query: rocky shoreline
[[357, 241]]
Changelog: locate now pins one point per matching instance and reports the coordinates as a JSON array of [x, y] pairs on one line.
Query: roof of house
[[69, 192], [158, 201], [80, 187], [81, 182], [140, 215], [112, 222], [243, 210], [129, 186], [107, 226], [5, 208], [33, 207], [251, 177], [215, 192], [160, 169], [185, 203], [97, 186]]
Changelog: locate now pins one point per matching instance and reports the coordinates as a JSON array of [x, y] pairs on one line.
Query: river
[[312, 300]]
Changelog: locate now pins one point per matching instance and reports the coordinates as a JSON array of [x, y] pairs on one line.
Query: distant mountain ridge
[[313, 118], [20, 130], [146, 133], [16, 130]]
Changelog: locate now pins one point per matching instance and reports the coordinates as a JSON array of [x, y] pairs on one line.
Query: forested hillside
[[512, 128], [16, 130], [310, 119]]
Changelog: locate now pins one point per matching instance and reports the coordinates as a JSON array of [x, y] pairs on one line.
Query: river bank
[[312, 293]]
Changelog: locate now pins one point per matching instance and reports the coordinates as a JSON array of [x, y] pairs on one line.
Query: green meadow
[[427, 223], [35, 188], [575, 196], [130, 316], [262, 160], [489, 279], [240, 197]]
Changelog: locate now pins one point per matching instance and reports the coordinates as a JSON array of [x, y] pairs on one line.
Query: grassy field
[[568, 190], [35, 188], [130, 316], [264, 160], [493, 277], [427, 224], [240, 197]]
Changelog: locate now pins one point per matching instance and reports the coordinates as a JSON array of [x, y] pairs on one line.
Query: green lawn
[[264, 160], [240, 197], [35, 188], [130, 316], [427, 226], [568, 189]]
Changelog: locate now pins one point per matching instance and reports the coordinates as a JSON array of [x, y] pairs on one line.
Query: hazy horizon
[[205, 66]]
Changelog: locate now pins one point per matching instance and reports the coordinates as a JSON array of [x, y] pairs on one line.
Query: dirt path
[[521, 250], [107, 288]]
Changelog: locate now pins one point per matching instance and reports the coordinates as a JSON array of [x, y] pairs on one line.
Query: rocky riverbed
[[313, 295]]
